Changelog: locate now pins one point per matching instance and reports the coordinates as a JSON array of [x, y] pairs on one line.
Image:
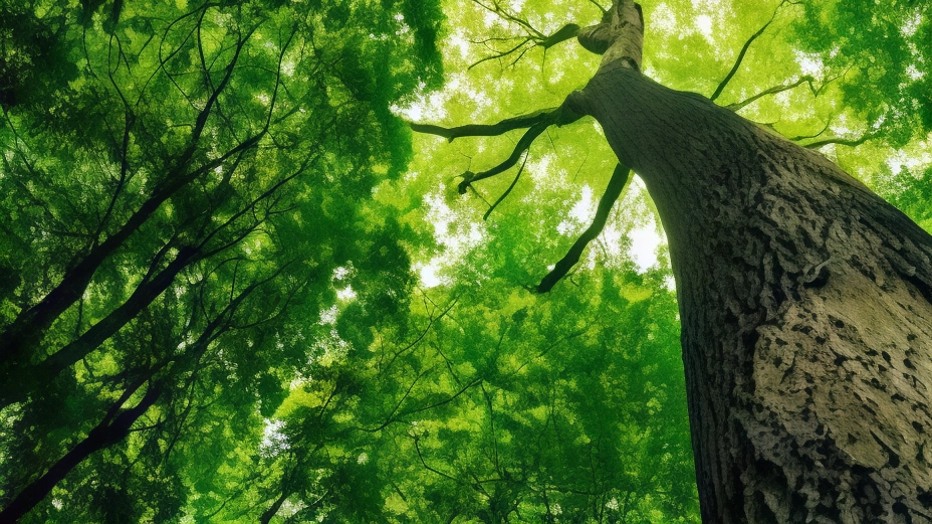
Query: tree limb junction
[[535, 122]]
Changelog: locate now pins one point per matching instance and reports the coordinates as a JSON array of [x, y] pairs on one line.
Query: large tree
[[245, 341], [805, 298]]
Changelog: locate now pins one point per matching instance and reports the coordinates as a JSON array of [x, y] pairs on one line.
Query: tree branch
[[619, 180], [737, 106], [509, 124], [523, 144], [536, 122], [507, 191], [432, 470], [744, 50], [536, 39], [823, 130], [851, 142], [28, 328]]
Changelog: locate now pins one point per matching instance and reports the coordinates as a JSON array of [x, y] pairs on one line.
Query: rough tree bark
[[805, 300], [806, 307]]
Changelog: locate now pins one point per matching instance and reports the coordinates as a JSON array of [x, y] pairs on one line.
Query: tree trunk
[[806, 307]]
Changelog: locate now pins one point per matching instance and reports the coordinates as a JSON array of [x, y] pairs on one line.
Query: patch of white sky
[[706, 16], [459, 42], [645, 234], [580, 214], [274, 440], [911, 24], [709, 14], [328, 317], [810, 64], [638, 225], [663, 19], [340, 274], [917, 159], [432, 107], [539, 169], [456, 241]]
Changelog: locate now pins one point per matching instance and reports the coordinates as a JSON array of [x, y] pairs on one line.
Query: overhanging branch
[[851, 142], [507, 191], [509, 124], [737, 106], [744, 49], [469, 177], [526, 43], [536, 123], [619, 180], [532, 36]]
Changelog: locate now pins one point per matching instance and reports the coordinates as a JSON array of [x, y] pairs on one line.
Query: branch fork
[[535, 124]]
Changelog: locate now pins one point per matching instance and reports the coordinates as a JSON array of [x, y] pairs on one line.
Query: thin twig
[[507, 191]]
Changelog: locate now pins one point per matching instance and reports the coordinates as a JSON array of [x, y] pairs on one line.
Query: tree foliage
[[230, 291]]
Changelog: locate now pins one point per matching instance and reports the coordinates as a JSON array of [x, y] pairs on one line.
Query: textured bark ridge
[[806, 306]]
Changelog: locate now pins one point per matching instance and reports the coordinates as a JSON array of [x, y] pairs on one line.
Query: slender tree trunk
[[806, 307]]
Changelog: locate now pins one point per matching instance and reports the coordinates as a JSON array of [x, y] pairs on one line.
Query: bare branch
[[737, 106], [602, 9], [564, 33], [619, 180], [111, 430], [744, 50], [533, 37], [501, 54], [842, 141], [523, 144], [421, 336], [432, 470], [536, 122], [510, 124], [504, 14], [824, 129]]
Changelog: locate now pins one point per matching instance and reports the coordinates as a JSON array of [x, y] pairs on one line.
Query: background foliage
[[234, 287]]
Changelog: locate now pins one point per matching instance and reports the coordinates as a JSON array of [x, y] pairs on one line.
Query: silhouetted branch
[[509, 124], [737, 106], [619, 179], [604, 10], [523, 144], [504, 14], [744, 50], [536, 122], [432, 470], [502, 54], [803, 137], [841, 141], [533, 37], [507, 191]]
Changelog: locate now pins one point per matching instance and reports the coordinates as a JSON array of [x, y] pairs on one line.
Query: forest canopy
[[236, 286]]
